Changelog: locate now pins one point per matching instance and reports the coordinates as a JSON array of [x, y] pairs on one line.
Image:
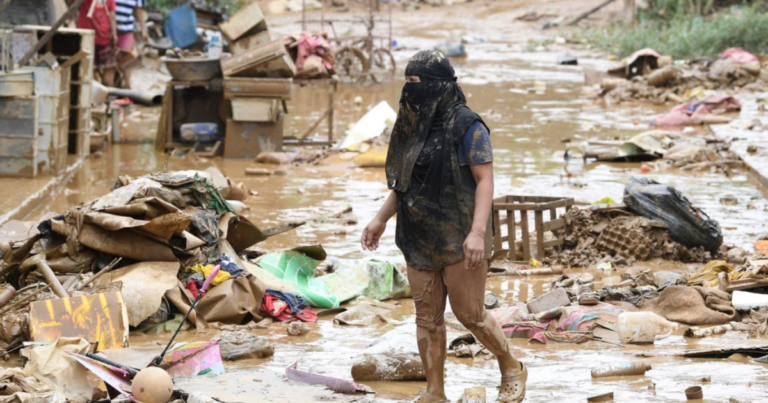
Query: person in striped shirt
[[127, 14]]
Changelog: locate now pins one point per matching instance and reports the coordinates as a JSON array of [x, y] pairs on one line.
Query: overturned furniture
[[519, 210]]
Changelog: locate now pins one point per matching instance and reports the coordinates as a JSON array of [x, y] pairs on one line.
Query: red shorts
[[125, 41]]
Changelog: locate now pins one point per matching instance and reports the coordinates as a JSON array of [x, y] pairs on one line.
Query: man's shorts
[[125, 41], [105, 56]]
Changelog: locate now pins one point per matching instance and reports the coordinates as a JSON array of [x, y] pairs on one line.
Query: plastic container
[[743, 300], [630, 369], [643, 327], [694, 393], [215, 47], [199, 132]]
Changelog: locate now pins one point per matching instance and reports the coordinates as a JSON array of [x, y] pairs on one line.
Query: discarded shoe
[[513, 386]]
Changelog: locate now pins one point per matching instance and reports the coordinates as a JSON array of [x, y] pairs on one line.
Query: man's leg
[[466, 290], [429, 294]]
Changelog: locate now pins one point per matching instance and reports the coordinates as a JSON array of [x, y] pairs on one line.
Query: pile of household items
[[160, 253], [647, 75]]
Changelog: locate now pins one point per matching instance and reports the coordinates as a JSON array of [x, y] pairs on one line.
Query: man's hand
[[144, 36], [113, 41], [474, 249], [372, 234]]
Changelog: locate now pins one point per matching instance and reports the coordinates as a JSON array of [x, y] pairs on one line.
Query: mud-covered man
[[440, 169]]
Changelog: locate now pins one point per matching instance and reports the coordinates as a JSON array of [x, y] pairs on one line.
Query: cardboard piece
[[255, 109], [97, 318], [48, 364], [249, 139], [144, 285]]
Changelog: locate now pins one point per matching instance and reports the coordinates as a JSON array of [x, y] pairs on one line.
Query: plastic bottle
[[643, 327], [743, 300], [215, 46], [629, 369]]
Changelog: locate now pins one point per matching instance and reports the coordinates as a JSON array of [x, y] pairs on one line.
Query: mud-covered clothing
[[435, 214], [466, 291]]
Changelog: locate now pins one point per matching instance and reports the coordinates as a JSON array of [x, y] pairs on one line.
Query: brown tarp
[[233, 301], [695, 306]]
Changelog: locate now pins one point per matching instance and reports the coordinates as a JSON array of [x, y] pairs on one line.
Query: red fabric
[[99, 21], [278, 309], [192, 287], [313, 44], [691, 113], [739, 56]]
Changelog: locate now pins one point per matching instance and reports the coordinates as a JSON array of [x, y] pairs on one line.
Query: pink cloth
[[739, 56], [312, 44], [125, 42], [691, 113]]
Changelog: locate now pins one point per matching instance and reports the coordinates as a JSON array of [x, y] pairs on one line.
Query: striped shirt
[[124, 14]]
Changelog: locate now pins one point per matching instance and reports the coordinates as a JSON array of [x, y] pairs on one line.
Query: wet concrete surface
[[528, 129]]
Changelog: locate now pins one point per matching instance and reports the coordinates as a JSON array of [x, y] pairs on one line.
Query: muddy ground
[[528, 130]]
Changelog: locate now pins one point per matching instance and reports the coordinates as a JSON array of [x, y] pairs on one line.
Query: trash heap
[[655, 221], [647, 75], [689, 152]]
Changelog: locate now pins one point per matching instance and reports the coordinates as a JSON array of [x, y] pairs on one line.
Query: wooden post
[[526, 236], [496, 231], [511, 236], [539, 218], [51, 32]]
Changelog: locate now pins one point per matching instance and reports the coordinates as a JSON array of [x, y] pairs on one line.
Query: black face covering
[[424, 106]]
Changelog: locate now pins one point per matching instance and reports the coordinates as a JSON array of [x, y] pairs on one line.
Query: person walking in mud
[[440, 169]]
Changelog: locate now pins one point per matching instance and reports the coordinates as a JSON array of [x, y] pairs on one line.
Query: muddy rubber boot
[[512, 388]]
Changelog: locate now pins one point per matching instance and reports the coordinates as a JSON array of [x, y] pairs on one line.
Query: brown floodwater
[[528, 130]]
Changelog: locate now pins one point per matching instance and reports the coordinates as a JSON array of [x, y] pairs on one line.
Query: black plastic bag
[[687, 225]]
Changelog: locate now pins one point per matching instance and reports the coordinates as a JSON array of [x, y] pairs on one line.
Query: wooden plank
[[52, 31], [248, 139], [241, 64], [554, 224], [539, 221], [552, 214], [511, 235], [525, 235], [258, 87], [497, 231], [243, 45], [162, 124], [517, 206]]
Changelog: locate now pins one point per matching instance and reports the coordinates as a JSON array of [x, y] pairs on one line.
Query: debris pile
[[617, 236], [647, 75]]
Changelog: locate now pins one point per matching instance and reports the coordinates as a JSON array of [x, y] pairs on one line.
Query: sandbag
[[687, 225]]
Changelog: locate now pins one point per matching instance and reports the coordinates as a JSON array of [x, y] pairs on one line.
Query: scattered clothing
[[286, 307], [693, 113], [192, 288], [206, 270], [230, 267]]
